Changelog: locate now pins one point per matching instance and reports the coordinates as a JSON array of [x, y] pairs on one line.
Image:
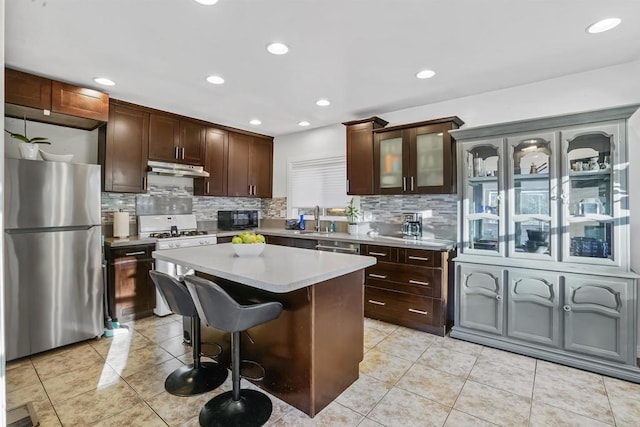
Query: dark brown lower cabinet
[[131, 293], [408, 287]]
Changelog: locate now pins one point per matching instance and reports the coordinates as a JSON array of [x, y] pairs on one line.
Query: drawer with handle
[[422, 281], [137, 251], [421, 257], [402, 309], [382, 253]]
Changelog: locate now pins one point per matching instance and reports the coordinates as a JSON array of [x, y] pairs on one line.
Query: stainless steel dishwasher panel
[[338, 246]]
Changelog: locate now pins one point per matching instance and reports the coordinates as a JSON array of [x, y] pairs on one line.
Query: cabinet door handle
[[254, 190], [182, 153], [377, 253], [404, 183], [413, 310], [499, 297], [377, 276], [144, 182], [207, 187], [412, 183], [372, 301], [418, 258], [347, 186], [175, 152], [250, 189], [418, 282], [566, 308], [135, 253]]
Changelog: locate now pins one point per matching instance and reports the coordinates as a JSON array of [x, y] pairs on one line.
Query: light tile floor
[[408, 378]]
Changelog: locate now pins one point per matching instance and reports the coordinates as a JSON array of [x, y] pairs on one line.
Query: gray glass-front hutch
[[544, 266]]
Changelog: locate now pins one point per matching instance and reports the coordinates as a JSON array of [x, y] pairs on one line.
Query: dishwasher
[[338, 246]]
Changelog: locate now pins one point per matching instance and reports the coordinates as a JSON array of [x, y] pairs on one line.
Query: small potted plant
[[28, 148], [353, 214]]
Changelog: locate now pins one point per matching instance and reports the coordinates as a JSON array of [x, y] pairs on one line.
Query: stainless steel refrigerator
[[52, 255]]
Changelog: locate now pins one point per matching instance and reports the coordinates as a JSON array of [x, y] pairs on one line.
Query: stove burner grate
[[167, 235]]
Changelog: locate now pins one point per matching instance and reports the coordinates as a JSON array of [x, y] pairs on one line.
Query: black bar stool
[[239, 407], [200, 377]]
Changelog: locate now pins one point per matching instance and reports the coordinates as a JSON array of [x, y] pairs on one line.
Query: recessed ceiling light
[[216, 80], [304, 123], [603, 25], [207, 2], [426, 74], [104, 81], [277, 48], [255, 122], [323, 102]]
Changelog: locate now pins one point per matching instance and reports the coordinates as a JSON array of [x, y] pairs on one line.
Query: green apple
[[236, 239], [248, 238], [260, 238]]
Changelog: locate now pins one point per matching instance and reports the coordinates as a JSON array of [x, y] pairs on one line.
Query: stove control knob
[[171, 245], [177, 245]]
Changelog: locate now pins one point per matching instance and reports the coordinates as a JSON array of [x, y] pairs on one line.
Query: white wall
[[3, 400], [81, 143]]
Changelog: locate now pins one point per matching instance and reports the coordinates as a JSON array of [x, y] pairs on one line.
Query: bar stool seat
[[199, 377], [239, 407]]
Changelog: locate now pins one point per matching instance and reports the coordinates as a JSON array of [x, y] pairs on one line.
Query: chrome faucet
[[316, 214]]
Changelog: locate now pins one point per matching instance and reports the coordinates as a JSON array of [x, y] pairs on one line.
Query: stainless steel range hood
[[176, 169]]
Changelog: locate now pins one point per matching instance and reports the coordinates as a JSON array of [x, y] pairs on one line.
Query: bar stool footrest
[[212, 356], [252, 365]]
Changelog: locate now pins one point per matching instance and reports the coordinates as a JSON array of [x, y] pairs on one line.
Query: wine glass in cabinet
[[483, 223], [532, 194]]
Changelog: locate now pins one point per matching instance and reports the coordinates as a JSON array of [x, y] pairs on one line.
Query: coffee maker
[[412, 225]]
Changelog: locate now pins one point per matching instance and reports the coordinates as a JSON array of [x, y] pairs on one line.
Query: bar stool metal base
[[190, 381], [253, 409]]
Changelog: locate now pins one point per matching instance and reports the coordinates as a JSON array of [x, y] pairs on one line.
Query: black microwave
[[237, 220]]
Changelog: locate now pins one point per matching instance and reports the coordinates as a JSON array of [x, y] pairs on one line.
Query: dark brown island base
[[312, 352]]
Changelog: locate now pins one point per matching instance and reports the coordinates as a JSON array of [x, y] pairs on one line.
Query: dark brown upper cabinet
[[48, 101], [122, 149], [176, 140], [216, 153], [360, 176], [416, 158], [250, 165]]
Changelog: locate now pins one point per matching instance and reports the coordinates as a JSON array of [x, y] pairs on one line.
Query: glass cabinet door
[[592, 195], [391, 173], [431, 159], [482, 193], [532, 194]]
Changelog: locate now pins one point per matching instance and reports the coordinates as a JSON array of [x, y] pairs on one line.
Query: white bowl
[[248, 249], [56, 157]]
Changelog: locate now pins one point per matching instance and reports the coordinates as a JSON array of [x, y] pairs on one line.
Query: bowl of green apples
[[248, 244]]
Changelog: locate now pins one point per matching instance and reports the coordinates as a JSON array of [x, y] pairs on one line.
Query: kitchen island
[[312, 352]]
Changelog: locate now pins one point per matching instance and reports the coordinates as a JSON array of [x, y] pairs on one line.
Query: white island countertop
[[278, 269]]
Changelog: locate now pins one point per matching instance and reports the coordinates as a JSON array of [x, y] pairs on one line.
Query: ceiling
[[362, 55]]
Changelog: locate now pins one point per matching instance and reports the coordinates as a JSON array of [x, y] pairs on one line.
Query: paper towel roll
[[121, 224]]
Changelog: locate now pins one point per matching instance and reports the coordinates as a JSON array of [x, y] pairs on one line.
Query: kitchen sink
[[305, 232]]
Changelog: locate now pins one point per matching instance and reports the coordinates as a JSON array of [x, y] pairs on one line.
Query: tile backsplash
[[389, 209], [383, 209]]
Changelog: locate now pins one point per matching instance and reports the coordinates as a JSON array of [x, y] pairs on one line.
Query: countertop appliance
[[172, 232], [412, 225], [237, 220], [52, 255]]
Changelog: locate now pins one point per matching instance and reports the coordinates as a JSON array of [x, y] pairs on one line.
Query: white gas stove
[[172, 232]]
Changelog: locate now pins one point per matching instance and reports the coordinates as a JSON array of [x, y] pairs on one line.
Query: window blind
[[318, 182]]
